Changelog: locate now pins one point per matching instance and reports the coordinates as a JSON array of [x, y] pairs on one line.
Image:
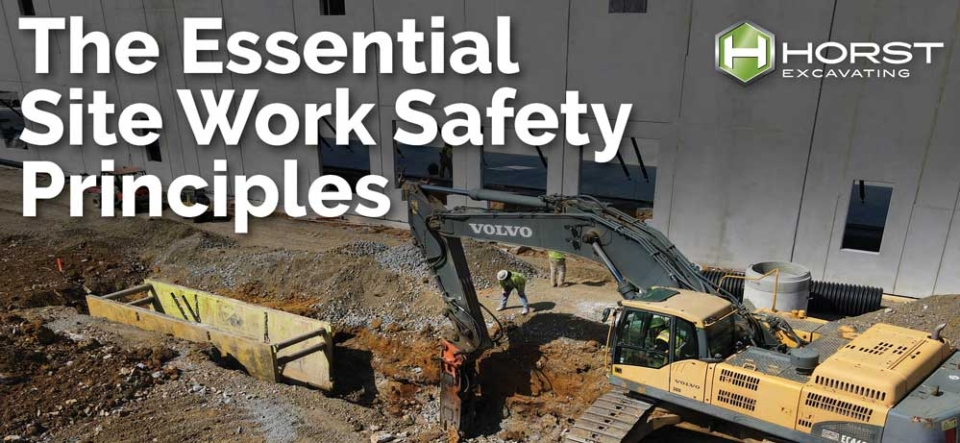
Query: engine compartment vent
[[851, 388], [878, 349], [737, 400], [739, 380], [846, 409]]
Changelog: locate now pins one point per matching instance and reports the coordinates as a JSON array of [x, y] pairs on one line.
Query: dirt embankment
[[385, 368]]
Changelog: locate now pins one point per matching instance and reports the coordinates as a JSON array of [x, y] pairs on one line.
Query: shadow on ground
[[353, 374], [513, 371]]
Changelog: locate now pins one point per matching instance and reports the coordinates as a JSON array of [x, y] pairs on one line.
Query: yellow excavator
[[682, 350]]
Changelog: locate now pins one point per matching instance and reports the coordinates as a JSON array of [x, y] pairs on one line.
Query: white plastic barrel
[[793, 292]]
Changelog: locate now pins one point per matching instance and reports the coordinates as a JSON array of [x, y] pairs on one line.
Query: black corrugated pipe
[[825, 297], [732, 285], [844, 299]]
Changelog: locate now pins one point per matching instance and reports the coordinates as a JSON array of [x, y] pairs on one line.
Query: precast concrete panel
[[389, 16], [936, 198], [948, 273], [630, 58], [161, 22], [742, 152], [123, 16], [203, 156], [539, 45], [889, 130], [263, 18]]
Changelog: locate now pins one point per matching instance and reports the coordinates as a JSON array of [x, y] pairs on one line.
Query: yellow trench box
[[271, 345]]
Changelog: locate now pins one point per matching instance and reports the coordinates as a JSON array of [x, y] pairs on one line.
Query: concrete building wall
[[743, 174], [883, 132]]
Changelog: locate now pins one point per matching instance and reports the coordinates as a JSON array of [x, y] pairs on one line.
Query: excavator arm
[[637, 255]]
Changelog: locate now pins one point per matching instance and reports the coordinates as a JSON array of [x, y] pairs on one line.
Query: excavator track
[[611, 419]]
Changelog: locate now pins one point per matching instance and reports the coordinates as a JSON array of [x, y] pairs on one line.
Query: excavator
[[727, 370]]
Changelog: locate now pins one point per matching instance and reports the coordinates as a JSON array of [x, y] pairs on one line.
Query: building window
[[628, 182], [517, 173], [26, 8], [429, 164], [333, 7], [153, 149], [350, 161], [628, 6], [866, 216], [12, 122], [153, 152]]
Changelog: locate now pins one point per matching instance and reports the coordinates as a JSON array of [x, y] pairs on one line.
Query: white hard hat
[[502, 275]]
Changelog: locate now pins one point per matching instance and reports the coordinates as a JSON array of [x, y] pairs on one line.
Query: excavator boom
[[637, 255]]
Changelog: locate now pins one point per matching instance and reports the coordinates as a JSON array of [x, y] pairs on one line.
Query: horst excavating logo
[[501, 230], [746, 52]]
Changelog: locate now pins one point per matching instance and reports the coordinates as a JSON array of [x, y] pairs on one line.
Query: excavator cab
[[666, 338]]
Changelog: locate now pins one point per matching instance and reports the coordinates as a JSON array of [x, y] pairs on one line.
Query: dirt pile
[[924, 315], [49, 381], [346, 285], [485, 259]]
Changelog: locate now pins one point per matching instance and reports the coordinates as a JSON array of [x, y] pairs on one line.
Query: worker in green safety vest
[[446, 161], [509, 281], [558, 268]]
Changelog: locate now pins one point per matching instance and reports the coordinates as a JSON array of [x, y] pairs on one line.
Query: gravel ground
[[924, 314]]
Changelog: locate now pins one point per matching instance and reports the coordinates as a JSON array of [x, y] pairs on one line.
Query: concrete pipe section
[[792, 286]]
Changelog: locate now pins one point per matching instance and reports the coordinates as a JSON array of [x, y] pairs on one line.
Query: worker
[[446, 161], [510, 281], [659, 334], [558, 268]]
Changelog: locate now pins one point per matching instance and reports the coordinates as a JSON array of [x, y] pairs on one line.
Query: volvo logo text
[[501, 230]]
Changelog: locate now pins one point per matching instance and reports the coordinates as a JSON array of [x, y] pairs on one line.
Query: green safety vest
[[556, 256], [516, 281]]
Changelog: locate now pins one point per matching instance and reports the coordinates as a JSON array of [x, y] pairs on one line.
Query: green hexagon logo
[[746, 52]]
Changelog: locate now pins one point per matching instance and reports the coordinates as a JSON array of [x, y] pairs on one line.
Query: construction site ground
[[65, 376]]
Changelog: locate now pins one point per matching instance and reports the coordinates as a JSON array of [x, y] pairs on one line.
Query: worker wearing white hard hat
[[510, 281]]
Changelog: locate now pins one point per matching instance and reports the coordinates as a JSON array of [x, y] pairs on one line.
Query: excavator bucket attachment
[[457, 390], [271, 345]]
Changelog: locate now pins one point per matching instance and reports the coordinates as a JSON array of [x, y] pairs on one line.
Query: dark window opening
[[430, 164], [524, 174], [866, 216], [333, 7], [12, 122], [350, 161], [26, 8], [153, 152], [628, 182], [153, 149], [628, 6]]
